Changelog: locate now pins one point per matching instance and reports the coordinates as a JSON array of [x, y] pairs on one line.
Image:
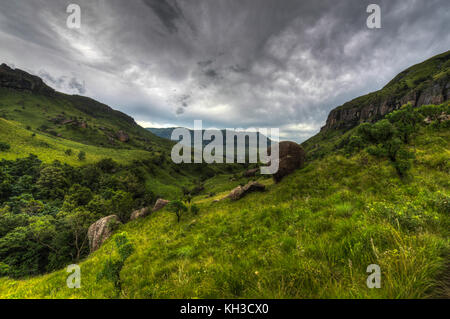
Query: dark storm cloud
[[231, 63], [168, 13]]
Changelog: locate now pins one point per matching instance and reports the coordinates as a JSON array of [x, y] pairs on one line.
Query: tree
[[122, 205], [82, 155], [68, 152], [4, 147], [52, 182], [178, 208], [78, 222], [112, 266]]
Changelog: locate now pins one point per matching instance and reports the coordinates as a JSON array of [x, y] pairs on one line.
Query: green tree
[[122, 205], [113, 265], [52, 182], [82, 155], [178, 208]]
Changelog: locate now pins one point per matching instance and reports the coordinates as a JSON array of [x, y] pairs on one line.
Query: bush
[[4, 147], [112, 266], [82, 156]]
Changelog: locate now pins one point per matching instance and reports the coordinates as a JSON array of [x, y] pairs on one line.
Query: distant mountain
[[167, 134]]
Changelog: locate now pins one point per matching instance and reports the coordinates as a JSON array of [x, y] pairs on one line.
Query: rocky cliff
[[424, 83], [21, 80]]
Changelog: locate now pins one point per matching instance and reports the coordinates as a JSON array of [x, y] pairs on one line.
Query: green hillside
[[377, 193], [311, 236]]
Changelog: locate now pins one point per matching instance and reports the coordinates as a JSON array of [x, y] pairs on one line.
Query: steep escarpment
[[422, 84], [21, 80]]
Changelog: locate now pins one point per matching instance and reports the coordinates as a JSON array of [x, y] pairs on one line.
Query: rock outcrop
[[122, 136], [241, 191], [291, 157], [100, 231], [432, 87], [250, 172], [21, 80], [160, 204], [140, 213]]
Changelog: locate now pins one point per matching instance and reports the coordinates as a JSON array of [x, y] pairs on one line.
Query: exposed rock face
[[241, 191], [291, 157], [375, 106], [122, 136], [100, 231], [141, 213], [21, 80], [424, 83], [160, 204], [250, 172]]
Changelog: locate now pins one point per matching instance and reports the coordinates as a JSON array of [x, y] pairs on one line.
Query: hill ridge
[[424, 83]]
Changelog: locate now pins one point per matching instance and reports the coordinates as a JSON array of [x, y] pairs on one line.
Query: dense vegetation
[[379, 195]]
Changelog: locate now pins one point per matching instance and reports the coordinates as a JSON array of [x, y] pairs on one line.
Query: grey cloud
[[231, 63], [63, 83], [167, 12]]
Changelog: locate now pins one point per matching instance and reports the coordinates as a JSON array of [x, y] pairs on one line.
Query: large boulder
[[140, 213], [100, 231], [160, 204], [291, 157], [241, 191]]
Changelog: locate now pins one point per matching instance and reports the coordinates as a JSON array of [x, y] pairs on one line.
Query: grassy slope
[[37, 111], [312, 235], [49, 148]]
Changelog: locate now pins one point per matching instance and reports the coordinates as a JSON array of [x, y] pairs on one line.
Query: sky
[[230, 63]]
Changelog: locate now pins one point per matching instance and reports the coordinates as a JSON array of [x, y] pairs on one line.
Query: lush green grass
[[49, 148], [38, 113], [311, 236]]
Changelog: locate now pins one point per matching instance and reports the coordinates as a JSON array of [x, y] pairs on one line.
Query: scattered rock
[[122, 136], [444, 117], [100, 231], [250, 172], [140, 213], [291, 157], [241, 191], [160, 203]]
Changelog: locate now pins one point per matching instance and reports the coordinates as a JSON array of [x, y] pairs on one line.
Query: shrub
[[112, 266], [82, 156], [178, 208], [4, 147]]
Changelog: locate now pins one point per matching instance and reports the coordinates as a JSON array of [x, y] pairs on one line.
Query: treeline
[[46, 209]]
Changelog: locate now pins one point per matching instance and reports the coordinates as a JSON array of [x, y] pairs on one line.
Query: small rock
[[250, 172], [122, 136], [241, 191], [160, 203], [140, 213]]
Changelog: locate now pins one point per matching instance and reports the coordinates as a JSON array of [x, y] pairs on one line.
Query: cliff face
[[21, 80], [425, 83]]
